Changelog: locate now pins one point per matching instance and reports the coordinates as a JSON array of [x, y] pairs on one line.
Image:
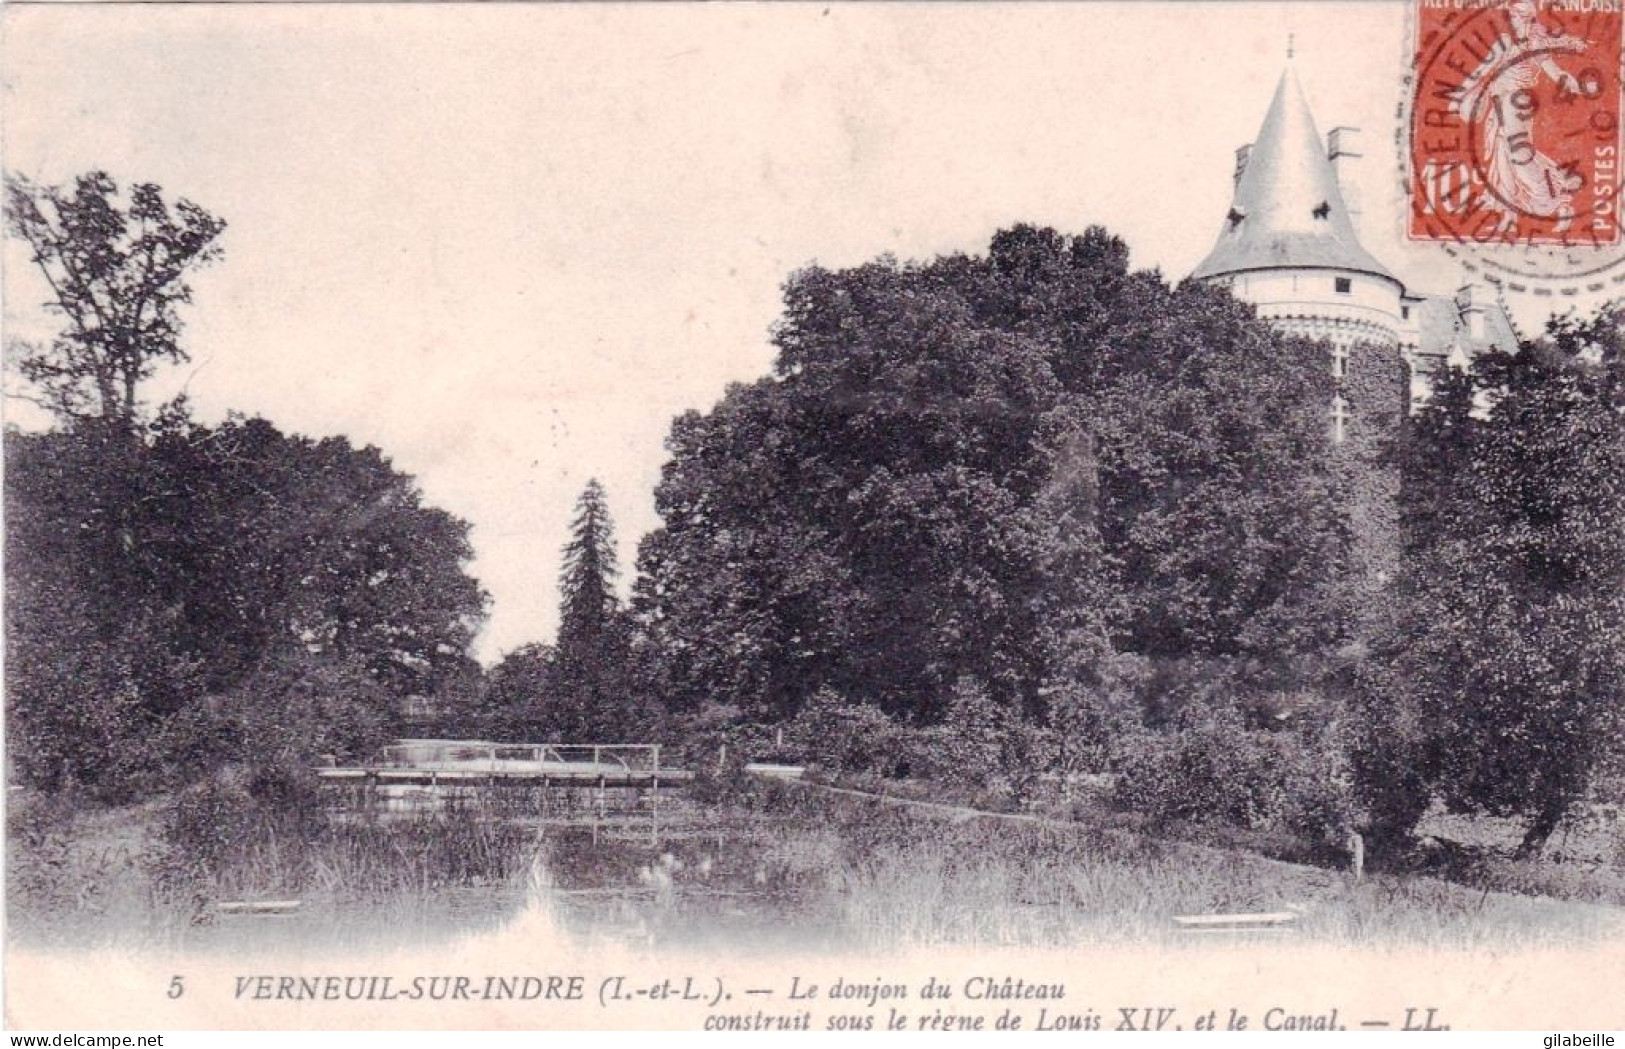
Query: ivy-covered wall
[[1375, 388]]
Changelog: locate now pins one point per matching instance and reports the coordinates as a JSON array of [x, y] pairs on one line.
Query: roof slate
[[1287, 210]]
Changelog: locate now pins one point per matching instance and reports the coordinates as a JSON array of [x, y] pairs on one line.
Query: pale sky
[[508, 243]]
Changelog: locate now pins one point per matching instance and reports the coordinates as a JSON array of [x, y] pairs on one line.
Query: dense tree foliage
[[995, 469], [514, 702], [116, 276], [1509, 677], [181, 595], [321, 544], [214, 569]]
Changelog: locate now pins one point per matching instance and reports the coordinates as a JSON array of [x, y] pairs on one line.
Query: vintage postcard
[[1087, 517]]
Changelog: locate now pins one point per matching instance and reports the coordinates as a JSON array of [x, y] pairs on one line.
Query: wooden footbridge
[[559, 780], [432, 762]]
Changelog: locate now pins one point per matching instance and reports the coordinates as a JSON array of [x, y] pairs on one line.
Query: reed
[[154, 874], [905, 877], [778, 863]]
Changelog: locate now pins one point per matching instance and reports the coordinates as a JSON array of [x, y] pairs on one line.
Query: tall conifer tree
[[593, 700], [587, 579]]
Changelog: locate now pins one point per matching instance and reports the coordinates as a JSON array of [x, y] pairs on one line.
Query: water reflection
[[723, 887]]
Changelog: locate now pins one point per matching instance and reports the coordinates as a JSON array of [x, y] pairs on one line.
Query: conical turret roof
[[1288, 211]]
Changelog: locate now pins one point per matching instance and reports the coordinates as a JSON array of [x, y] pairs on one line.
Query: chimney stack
[[1472, 304], [1343, 149]]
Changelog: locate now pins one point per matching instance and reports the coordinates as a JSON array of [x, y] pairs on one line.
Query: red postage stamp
[[1515, 122]]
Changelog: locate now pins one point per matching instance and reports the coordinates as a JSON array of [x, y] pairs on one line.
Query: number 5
[[1522, 149], [176, 987]]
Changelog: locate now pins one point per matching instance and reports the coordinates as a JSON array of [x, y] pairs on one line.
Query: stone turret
[[1288, 244]]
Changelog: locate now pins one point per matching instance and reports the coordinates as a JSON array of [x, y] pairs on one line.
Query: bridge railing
[[486, 756]]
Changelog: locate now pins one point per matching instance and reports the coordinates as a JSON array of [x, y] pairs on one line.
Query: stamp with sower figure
[[1515, 126]]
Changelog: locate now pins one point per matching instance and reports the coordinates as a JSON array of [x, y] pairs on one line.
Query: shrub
[[983, 747], [1216, 771], [720, 782], [214, 830], [715, 734], [844, 737], [258, 831], [1085, 724], [1390, 762], [39, 836], [77, 711], [288, 713]]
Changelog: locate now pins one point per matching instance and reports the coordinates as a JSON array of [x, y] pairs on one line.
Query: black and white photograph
[[845, 516]]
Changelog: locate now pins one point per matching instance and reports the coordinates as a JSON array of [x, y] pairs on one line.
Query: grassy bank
[[895, 874], [762, 863], [155, 874]]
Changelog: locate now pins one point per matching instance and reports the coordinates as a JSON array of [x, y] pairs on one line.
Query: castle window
[[1344, 285], [1340, 361], [1404, 313], [1340, 419]]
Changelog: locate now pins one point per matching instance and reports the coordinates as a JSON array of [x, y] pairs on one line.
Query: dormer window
[[1345, 286], [1323, 210], [1235, 217]]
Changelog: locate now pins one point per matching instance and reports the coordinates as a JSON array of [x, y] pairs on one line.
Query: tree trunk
[[1541, 828]]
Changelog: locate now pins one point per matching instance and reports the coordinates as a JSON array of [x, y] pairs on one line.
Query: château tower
[[1289, 245]]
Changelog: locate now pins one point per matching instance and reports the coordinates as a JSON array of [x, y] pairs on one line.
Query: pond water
[[739, 879], [722, 887]]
